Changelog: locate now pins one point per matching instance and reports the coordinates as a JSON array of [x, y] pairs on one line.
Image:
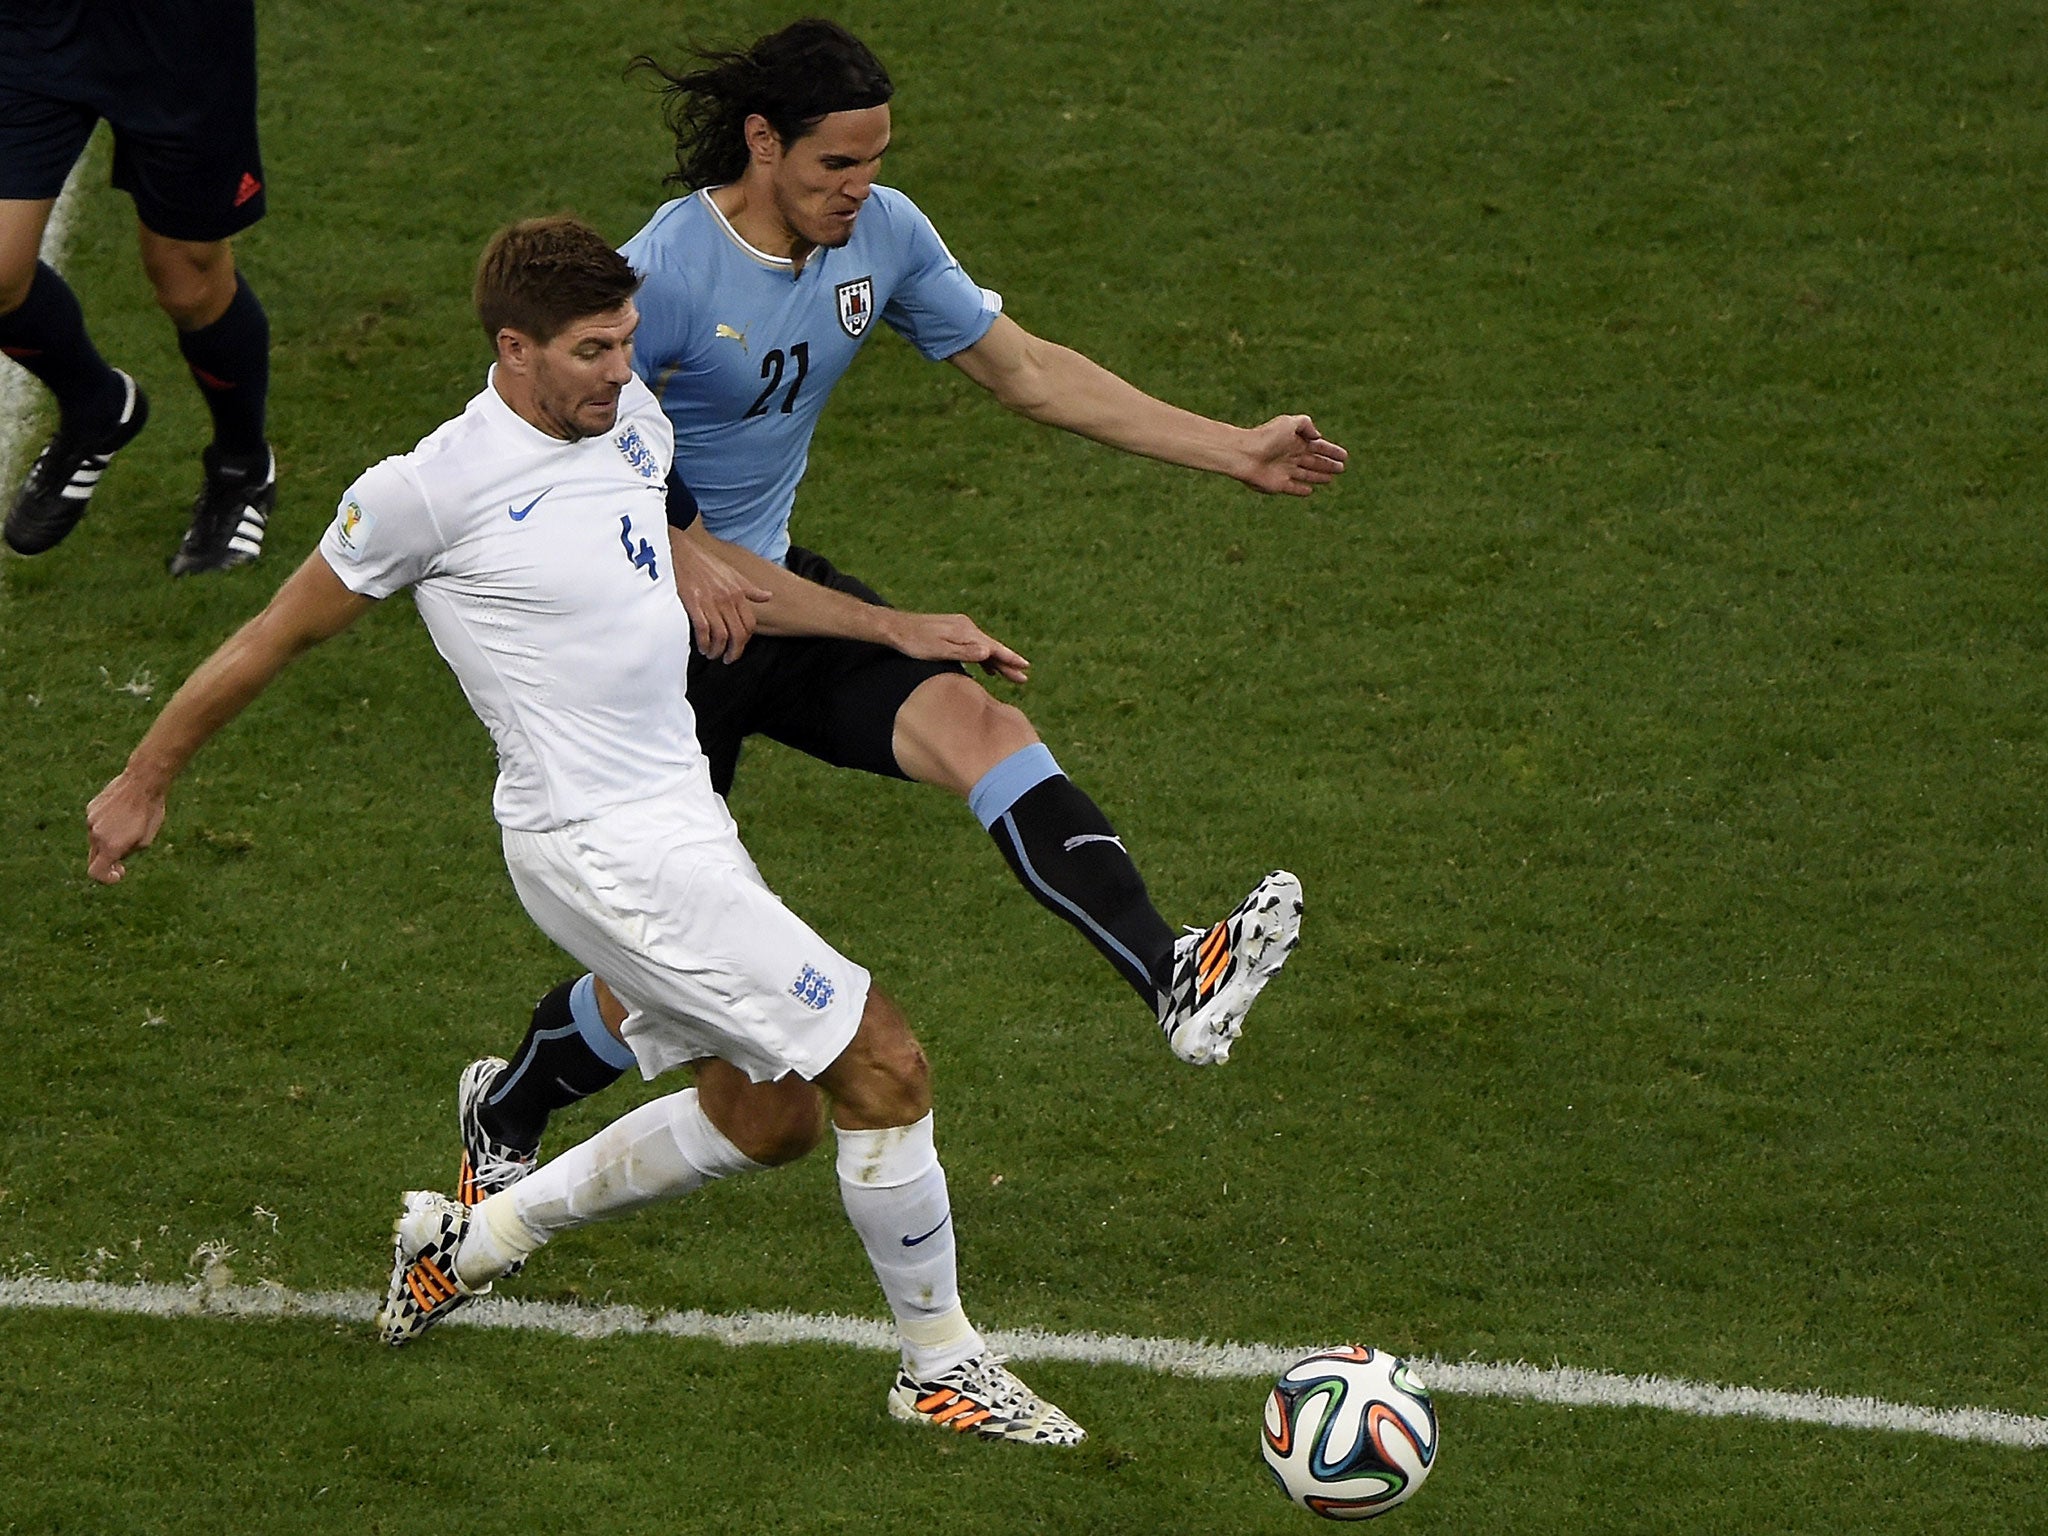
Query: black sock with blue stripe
[[567, 1055], [1067, 855]]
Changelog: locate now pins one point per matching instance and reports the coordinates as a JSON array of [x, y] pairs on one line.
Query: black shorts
[[175, 78], [835, 700]]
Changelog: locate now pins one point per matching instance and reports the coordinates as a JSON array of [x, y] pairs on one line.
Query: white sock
[[895, 1194], [496, 1240], [660, 1151]]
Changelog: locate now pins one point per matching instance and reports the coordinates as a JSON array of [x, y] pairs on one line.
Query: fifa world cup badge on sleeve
[[352, 528]]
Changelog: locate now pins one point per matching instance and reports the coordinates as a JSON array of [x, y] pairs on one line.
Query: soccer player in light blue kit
[[760, 287]]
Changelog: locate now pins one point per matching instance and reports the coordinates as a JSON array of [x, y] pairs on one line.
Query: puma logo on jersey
[[727, 333]]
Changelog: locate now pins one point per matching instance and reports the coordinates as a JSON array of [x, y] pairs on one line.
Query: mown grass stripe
[[1560, 1384]]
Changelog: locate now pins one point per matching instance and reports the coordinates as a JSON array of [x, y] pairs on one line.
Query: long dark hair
[[793, 78]]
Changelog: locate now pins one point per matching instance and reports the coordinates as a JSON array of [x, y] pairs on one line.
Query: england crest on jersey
[[856, 305], [637, 453]]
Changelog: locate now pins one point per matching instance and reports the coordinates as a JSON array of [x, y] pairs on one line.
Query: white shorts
[[679, 923]]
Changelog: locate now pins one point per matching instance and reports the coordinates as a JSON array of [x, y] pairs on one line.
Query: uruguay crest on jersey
[[856, 305]]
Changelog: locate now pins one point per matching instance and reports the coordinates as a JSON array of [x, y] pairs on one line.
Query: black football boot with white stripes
[[230, 514], [61, 481]]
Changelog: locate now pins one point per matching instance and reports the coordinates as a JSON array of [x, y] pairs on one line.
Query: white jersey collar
[[778, 263]]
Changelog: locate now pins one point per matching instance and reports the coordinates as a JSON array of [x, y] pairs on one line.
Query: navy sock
[[1066, 854], [567, 1055], [46, 334], [230, 362]]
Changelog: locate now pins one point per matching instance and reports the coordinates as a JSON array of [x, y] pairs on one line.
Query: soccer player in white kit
[[533, 530]]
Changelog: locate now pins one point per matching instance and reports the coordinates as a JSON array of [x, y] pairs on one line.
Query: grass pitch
[[1653, 713]]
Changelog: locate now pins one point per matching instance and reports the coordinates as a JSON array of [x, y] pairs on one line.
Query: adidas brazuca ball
[[1349, 1432]]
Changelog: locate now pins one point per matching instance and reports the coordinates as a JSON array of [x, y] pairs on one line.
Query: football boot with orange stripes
[[424, 1287], [981, 1397], [1218, 971], [487, 1165]]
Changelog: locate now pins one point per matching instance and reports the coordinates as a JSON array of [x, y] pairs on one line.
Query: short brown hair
[[540, 276]]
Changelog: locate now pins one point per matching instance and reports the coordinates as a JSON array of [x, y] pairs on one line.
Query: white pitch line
[[1563, 1385]]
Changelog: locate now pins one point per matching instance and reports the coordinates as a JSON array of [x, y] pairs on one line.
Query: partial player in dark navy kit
[[176, 79], [760, 287]]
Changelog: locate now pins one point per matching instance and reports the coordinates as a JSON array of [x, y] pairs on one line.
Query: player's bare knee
[[883, 1077], [908, 1071], [21, 238], [193, 284], [772, 1123], [783, 1127], [904, 1089], [957, 730], [790, 1124], [190, 309], [14, 287], [891, 1051], [1005, 728]]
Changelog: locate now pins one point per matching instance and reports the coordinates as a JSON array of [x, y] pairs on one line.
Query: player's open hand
[[719, 600], [955, 637], [123, 817], [1290, 458]]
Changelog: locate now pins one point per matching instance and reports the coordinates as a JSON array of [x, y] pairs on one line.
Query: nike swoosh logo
[[519, 515], [912, 1242], [1092, 837]]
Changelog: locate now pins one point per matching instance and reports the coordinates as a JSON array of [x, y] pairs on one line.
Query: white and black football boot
[[424, 1286], [1218, 971], [982, 1397]]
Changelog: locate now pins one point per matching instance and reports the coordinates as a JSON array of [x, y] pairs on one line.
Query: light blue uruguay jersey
[[742, 349]]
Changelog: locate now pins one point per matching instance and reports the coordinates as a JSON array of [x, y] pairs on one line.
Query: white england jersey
[[541, 568]]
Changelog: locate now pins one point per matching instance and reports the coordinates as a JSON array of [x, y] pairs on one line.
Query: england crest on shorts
[[856, 305], [813, 988]]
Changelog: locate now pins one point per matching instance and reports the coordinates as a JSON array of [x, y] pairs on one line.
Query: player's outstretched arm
[[722, 604], [310, 607], [790, 605], [1059, 387]]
